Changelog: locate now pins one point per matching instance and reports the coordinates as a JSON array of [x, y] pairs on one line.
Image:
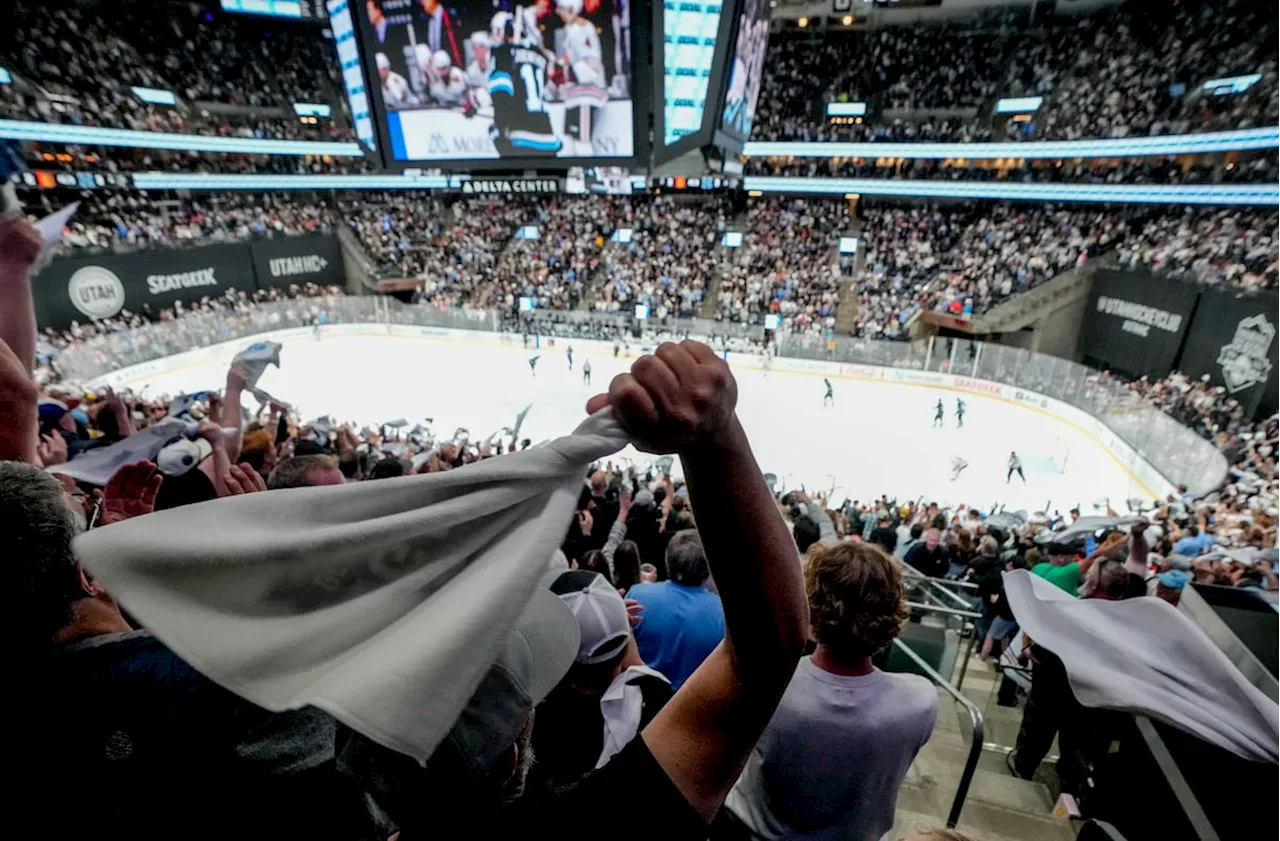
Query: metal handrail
[[948, 611], [950, 594], [937, 584], [975, 718]]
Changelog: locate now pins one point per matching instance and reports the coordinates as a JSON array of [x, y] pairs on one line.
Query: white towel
[[383, 603], [1143, 656], [98, 465]]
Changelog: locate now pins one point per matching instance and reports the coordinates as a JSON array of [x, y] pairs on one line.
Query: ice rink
[[877, 439]]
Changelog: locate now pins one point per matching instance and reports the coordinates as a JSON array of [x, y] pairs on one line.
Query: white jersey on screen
[[582, 55], [396, 92], [447, 84]]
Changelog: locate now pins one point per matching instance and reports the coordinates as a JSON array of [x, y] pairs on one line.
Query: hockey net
[[1060, 455]]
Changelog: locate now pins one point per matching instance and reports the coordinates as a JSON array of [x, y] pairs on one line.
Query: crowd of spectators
[[119, 221], [1228, 247], [1150, 170], [671, 259], [966, 259], [707, 668], [787, 265], [554, 265], [79, 65], [1120, 71]]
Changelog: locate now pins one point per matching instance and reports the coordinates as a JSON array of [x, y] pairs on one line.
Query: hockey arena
[[882, 439]]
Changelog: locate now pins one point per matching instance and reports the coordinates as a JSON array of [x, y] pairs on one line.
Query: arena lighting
[[755, 194], [186, 181], [802, 23], [847, 20], [1267, 137], [1224, 194], [91, 136]]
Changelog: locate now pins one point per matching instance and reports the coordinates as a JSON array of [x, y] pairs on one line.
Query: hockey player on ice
[[477, 75], [517, 79], [939, 414], [1015, 466], [580, 78]]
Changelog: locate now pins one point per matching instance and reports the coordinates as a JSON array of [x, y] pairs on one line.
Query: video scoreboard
[[298, 9]]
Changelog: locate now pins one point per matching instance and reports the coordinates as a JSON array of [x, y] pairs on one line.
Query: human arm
[[1139, 550], [232, 414], [681, 400], [130, 492], [219, 463], [618, 531], [20, 247], [1110, 547], [124, 421], [19, 398], [826, 529]]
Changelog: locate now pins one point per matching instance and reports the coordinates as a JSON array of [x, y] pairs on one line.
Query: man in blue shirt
[[682, 621], [1195, 542]]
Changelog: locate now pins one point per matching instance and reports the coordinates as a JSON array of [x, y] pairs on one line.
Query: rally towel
[[1143, 656], [255, 359], [96, 466], [383, 603]]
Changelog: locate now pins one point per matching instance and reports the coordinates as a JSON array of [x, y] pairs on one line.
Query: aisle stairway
[[847, 313], [999, 806], [711, 298]]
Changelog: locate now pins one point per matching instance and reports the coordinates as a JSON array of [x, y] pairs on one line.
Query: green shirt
[[1065, 577]]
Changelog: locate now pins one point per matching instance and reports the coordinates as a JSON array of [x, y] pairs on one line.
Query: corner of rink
[[874, 437]]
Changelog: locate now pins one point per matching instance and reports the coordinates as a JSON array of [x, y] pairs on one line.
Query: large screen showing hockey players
[[492, 79], [748, 69]]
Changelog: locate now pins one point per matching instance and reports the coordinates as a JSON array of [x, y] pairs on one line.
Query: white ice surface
[[877, 439]]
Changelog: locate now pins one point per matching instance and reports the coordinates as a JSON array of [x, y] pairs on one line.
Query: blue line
[[396, 131]]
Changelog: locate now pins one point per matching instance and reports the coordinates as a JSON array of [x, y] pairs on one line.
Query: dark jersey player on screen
[[521, 127]]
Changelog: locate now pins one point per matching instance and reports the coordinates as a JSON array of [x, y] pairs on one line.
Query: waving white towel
[[381, 602], [1142, 655]]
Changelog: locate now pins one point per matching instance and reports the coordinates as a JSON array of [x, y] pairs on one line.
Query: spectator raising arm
[[682, 400], [232, 414], [18, 400], [20, 246]]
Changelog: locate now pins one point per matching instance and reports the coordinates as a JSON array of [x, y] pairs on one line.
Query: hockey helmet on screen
[[442, 60], [501, 26], [573, 7], [422, 57]]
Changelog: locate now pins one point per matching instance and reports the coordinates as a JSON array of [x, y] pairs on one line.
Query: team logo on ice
[[96, 291], [1244, 360]]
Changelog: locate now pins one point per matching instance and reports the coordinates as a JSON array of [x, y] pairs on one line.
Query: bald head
[[599, 483]]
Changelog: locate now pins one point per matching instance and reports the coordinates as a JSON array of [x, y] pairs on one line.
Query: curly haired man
[[831, 761]]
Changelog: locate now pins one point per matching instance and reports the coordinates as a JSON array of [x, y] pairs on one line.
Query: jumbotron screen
[[476, 80], [747, 73]]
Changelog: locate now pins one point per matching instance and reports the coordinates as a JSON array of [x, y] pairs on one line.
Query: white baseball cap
[[600, 611]]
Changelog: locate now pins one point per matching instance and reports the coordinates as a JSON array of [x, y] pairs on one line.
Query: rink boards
[[1145, 480]]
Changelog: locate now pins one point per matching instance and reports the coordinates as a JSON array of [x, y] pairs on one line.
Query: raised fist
[[678, 398]]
